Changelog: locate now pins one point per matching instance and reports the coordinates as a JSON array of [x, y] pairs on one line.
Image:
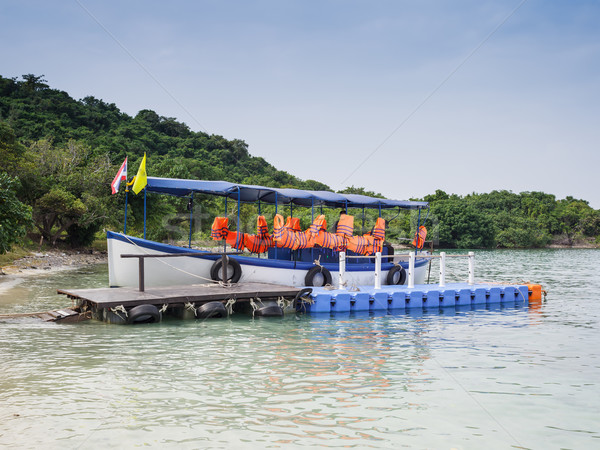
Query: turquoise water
[[486, 378]]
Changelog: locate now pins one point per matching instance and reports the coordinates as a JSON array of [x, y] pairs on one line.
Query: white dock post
[[471, 267], [342, 271], [442, 269], [411, 270], [378, 270]]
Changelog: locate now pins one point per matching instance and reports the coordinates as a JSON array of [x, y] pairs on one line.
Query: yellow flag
[[140, 179]]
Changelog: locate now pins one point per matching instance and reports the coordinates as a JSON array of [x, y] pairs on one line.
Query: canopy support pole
[[417, 232], [363, 223], [239, 207], [312, 208], [191, 203]]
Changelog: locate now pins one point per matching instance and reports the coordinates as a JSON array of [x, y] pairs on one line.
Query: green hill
[[59, 156]]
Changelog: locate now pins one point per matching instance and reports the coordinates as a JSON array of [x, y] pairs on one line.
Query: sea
[[496, 377]]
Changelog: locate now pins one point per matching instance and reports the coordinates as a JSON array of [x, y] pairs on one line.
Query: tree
[[33, 82], [56, 211], [463, 226], [69, 190], [11, 151], [15, 217]]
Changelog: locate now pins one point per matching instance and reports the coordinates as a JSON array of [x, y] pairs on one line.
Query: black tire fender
[[143, 314], [312, 273], [396, 275], [235, 266], [302, 293], [211, 310], [269, 311]]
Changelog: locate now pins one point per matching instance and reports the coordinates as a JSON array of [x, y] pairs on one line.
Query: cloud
[[314, 87]]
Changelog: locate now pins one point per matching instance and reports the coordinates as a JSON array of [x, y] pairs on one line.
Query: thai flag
[[121, 175]]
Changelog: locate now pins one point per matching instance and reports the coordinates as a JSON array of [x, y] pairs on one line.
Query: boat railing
[[142, 257], [412, 256]]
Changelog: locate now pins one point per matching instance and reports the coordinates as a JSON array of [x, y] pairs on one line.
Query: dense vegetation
[[59, 156]]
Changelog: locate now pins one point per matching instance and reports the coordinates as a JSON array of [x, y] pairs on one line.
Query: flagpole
[[125, 219], [144, 213]]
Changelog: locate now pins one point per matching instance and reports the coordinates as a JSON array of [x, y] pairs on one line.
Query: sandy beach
[[53, 260]]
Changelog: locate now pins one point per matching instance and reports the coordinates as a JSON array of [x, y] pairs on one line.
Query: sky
[[399, 97]]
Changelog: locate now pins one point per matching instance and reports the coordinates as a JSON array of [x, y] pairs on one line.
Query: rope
[[318, 261], [118, 309], [164, 308], [254, 305], [354, 288], [170, 265], [224, 284], [191, 307], [229, 306], [283, 303], [307, 299]]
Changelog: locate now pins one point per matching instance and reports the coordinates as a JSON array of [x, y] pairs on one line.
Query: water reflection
[[433, 378]]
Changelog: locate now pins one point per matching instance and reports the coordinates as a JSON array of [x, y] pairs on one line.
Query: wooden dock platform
[[105, 303], [195, 293], [65, 315]]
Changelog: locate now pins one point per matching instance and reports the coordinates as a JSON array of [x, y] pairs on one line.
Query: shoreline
[[52, 260], [55, 259]]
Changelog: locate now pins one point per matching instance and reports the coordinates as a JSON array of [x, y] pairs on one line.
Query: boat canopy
[[250, 194]]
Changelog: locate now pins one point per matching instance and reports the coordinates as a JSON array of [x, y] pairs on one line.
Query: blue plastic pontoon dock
[[367, 298]]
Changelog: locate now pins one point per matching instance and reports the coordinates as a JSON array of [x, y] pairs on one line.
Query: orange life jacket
[[285, 236], [419, 240], [357, 244], [282, 236], [261, 227], [330, 240], [318, 224], [293, 223], [219, 228], [373, 245], [379, 229], [345, 226], [302, 240], [257, 244], [235, 239]]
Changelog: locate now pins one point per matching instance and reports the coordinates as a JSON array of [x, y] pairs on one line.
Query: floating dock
[[428, 296], [65, 315], [112, 304]]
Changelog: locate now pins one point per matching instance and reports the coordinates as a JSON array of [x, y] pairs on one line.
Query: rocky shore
[[54, 260]]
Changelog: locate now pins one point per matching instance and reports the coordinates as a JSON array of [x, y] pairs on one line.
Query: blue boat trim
[[424, 296], [251, 261]]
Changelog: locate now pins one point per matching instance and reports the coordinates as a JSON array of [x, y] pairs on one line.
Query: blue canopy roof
[[250, 193]]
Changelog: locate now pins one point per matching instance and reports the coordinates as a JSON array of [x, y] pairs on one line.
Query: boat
[[292, 265]]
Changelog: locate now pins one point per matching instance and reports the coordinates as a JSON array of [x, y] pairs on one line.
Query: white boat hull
[[185, 270]]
